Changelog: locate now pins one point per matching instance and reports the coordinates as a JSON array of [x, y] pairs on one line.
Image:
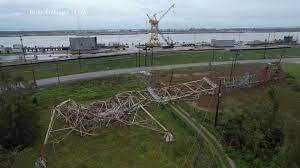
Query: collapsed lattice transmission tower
[[129, 108]]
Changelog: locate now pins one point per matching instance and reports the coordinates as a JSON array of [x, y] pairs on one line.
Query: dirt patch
[[164, 78], [191, 74], [180, 75], [200, 74]]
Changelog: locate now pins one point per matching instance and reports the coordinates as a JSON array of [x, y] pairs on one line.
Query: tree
[[18, 119], [255, 126]]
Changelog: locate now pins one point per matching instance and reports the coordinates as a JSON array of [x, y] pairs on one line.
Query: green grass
[[124, 146], [293, 69], [46, 70], [115, 146], [289, 107]]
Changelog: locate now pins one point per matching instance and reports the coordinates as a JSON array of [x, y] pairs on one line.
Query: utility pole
[[136, 60], [233, 63], [152, 56], [79, 60], [209, 64], [139, 57], [57, 72], [33, 76], [282, 55], [146, 55], [22, 47], [213, 53], [213, 58], [80, 66], [79, 52], [236, 58], [171, 79], [218, 103], [266, 42]]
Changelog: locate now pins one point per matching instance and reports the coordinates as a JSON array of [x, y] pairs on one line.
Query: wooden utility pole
[[218, 103], [266, 42], [236, 58], [233, 64], [213, 58], [139, 57], [213, 53], [80, 66], [171, 79], [146, 56], [33, 76], [57, 72], [136, 60], [0, 68], [152, 56], [22, 47], [282, 55]]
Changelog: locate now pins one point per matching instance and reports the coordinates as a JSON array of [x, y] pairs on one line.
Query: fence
[[40, 70]]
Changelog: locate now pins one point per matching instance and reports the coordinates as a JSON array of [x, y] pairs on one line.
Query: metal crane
[[168, 40], [154, 38]]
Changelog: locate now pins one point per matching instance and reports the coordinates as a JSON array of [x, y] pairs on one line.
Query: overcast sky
[[122, 14]]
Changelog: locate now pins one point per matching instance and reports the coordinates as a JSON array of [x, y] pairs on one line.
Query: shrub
[[18, 119], [256, 127]]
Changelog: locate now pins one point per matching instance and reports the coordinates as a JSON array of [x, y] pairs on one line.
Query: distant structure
[[114, 44], [154, 31], [17, 48], [5, 50], [286, 40], [83, 43], [222, 43], [289, 40]]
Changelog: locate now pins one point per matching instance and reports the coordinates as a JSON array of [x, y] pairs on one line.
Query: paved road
[[101, 74]]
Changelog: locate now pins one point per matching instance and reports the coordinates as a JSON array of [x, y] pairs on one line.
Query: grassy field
[[293, 70], [134, 146], [46, 70], [114, 147]]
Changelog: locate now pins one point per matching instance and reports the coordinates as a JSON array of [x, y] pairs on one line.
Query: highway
[[101, 74]]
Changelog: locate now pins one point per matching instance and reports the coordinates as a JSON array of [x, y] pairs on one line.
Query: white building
[[114, 44], [17, 48]]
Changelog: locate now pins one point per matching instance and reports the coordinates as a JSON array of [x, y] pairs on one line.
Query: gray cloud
[[99, 14]]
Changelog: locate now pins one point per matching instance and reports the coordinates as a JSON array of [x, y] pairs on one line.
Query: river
[[45, 41]]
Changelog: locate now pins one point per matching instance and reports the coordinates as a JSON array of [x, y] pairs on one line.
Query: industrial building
[[289, 40], [83, 43], [5, 50], [222, 43], [17, 48]]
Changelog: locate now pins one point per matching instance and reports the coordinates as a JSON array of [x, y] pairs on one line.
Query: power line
[[22, 47]]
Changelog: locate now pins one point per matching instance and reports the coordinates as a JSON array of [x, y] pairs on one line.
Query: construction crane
[[154, 31], [168, 40]]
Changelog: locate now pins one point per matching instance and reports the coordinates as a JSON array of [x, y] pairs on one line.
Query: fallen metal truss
[[129, 108], [192, 89], [245, 81]]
